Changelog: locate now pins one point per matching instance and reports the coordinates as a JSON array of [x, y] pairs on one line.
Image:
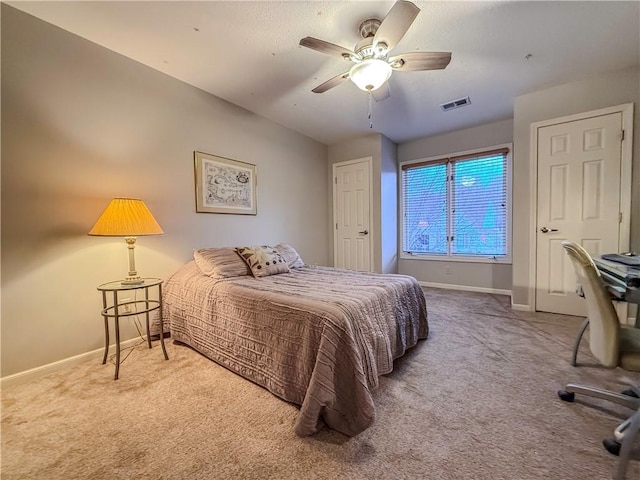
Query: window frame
[[447, 158]]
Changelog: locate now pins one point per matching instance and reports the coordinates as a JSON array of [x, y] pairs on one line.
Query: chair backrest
[[604, 327]]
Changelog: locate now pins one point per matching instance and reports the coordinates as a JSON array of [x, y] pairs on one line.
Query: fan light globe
[[370, 74]]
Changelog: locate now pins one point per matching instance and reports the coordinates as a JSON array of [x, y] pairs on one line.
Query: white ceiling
[[248, 53]]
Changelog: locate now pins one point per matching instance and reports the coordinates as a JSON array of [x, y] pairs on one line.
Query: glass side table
[[126, 307]]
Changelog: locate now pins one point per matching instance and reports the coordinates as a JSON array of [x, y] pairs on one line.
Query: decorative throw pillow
[[222, 262], [290, 255], [263, 261]]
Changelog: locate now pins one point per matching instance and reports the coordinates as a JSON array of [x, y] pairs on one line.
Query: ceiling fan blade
[[326, 47], [381, 93], [416, 61], [396, 24], [333, 82]]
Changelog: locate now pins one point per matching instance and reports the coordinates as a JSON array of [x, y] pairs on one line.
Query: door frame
[[625, 183], [334, 224]]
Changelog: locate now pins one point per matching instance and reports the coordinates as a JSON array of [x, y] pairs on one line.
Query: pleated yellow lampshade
[[125, 217], [129, 218]]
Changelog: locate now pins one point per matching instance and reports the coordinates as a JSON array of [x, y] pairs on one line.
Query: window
[[458, 206]]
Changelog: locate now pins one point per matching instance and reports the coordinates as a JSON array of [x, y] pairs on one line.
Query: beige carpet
[[477, 400]]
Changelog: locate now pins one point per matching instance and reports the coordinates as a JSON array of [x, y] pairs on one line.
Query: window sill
[[446, 258]]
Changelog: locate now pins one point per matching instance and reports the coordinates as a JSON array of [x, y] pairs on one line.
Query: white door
[[579, 165], [352, 190]]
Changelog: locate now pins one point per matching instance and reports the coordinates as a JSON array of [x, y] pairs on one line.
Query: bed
[[317, 337]]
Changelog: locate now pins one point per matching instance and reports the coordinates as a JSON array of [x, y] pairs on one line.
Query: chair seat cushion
[[630, 349]]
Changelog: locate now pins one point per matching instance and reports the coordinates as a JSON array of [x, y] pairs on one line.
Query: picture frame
[[224, 185]]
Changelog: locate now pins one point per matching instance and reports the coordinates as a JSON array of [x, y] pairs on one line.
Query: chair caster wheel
[[612, 446], [566, 396], [630, 392]]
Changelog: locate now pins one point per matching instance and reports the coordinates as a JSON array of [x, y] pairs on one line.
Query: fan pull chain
[[370, 111]]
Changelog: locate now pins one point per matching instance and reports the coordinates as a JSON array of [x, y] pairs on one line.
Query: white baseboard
[[528, 308], [523, 307], [34, 373], [466, 288]]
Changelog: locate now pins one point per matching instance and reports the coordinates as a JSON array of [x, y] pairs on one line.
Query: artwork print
[[224, 185]]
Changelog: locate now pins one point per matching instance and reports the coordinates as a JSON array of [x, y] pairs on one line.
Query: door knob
[[547, 230], [366, 232]]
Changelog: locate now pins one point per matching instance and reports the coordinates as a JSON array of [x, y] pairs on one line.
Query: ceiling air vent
[[460, 102]]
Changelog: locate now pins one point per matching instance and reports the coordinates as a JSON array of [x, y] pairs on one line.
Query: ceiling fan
[[372, 65]]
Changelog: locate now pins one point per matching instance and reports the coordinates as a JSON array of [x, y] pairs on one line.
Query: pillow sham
[[221, 262], [263, 260], [290, 255]]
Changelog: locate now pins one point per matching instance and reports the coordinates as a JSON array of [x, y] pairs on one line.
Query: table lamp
[[127, 217]]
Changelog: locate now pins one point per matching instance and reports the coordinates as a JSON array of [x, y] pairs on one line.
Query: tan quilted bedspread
[[318, 337]]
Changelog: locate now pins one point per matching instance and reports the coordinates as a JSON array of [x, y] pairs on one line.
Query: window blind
[[425, 209], [457, 205], [479, 206]]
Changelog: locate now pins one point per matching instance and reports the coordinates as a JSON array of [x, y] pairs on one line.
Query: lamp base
[[132, 281]]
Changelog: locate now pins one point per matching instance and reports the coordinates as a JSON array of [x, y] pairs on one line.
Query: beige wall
[[476, 275], [389, 206], [607, 90], [80, 125], [384, 181]]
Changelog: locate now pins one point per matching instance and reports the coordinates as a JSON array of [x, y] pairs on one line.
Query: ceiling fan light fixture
[[372, 65], [370, 74]]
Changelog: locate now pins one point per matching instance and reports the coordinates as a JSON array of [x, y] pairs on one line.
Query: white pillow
[[290, 255], [221, 262]]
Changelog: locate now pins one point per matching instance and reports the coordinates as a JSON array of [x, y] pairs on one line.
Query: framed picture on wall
[[224, 185]]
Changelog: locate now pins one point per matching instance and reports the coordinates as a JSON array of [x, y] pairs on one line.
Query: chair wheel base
[[612, 446], [566, 396]]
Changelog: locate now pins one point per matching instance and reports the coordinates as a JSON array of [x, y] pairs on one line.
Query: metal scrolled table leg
[[106, 327], [117, 323], [164, 350]]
